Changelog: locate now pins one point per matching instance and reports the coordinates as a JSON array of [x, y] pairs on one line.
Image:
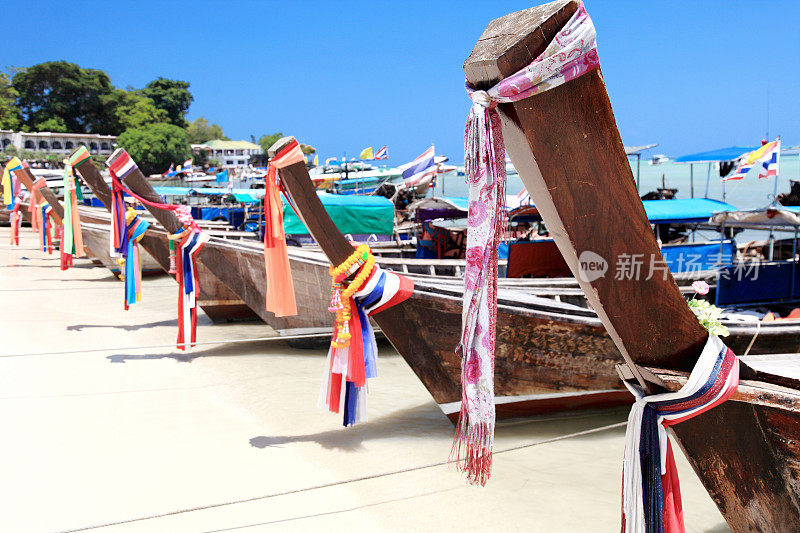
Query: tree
[[266, 141], [9, 112], [172, 96], [201, 131], [154, 147], [53, 124], [138, 111], [307, 149], [58, 89]]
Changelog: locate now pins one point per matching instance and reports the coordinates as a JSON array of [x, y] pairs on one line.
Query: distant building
[[230, 153], [57, 143]]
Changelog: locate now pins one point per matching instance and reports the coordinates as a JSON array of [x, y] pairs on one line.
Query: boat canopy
[[772, 216], [683, 210], [206, 191], [722, 154], [353, 214]]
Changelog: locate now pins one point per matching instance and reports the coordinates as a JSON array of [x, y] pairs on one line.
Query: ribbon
[[190, 241], [16, 223], [571, 54], [651, 500], [47, 226], [357, 360], [132, 273], [186, 274], [11, 186], [280, 288], [71, 237]]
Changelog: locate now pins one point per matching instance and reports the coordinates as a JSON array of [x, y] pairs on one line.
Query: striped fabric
[[651, 500], [420, 168], [771, 161], [122, 165], [762, 155], [188, 290], [358, 361], [383, 153], [80, 155]]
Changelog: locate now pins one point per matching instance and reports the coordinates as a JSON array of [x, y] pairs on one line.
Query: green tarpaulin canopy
[[354, 214]]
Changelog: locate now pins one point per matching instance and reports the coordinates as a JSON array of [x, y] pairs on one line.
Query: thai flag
[[169, 170], [748, 160], [771, 161], [420, 168], [383, 153], [523, 197], [187, 165]]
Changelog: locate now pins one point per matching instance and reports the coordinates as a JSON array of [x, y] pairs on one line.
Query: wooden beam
[[567, 149], [25, 176], [394, 322]]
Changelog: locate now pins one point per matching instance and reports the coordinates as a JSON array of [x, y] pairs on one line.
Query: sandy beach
[[154, 439]]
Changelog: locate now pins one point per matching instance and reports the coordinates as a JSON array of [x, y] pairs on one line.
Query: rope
[[339, 483], [753, 340], [158, 346]]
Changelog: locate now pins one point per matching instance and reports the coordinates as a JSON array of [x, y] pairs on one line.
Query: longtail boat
[[565, 144]]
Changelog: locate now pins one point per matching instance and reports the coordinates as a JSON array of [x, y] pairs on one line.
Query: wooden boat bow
[[337, 248], [26, 177], [567, 149]]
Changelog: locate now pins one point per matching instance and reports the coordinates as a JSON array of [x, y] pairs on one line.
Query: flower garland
[[353, 352]]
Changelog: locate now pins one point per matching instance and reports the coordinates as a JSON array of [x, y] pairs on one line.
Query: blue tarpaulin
[[722, 154], [683, 210], [210, 191], [222, 177]]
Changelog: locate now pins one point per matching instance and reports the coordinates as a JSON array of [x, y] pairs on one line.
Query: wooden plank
[[25, 176], [567, 149]]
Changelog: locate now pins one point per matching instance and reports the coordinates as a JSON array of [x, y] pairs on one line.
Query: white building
[[57, 143], [229, 153]]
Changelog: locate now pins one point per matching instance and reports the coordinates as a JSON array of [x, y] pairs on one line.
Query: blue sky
[[340, 76]]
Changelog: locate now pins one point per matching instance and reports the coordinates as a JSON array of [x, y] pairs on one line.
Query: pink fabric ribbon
[[571, 53]]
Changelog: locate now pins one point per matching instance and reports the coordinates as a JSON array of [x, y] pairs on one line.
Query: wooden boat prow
[[567, 149]]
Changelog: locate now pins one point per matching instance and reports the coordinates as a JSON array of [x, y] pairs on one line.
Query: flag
[[523, 197], [169, 170], [316, 160], [366, 153], [187, 166], [383, 153], [746, 161], [420, 168], [329, 160], [771, 160]]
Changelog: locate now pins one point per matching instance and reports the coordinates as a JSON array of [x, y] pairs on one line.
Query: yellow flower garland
[[342, 297]]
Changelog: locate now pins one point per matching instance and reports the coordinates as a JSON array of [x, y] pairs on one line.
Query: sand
[[122, 436]]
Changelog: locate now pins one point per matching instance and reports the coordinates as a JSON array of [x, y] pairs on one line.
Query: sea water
[[748, 193]]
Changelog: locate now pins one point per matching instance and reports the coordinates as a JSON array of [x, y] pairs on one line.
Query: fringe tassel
[[472, 448]]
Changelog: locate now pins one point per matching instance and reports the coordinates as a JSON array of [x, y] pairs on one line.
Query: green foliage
[[172, 96], [10, 117], [708, 315], [138, 111], [266, 141], [307, 149], [155, 146], [54, 158], [61, 89], [201, 131], [52, 124], [10, 149], [213, 162]]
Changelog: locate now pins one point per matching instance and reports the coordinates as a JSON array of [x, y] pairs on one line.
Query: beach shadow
[[124, 358], [413, 422], [131, 327]]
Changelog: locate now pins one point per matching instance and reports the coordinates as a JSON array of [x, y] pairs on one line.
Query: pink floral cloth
[[571, 53]]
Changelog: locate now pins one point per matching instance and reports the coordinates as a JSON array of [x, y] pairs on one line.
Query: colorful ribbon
[[280, 288], [71, 237], [10, 185], [651, 500], [571, 54], [189, 246], [16, 223], [357, 360], [191, 241], [132, 272]]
